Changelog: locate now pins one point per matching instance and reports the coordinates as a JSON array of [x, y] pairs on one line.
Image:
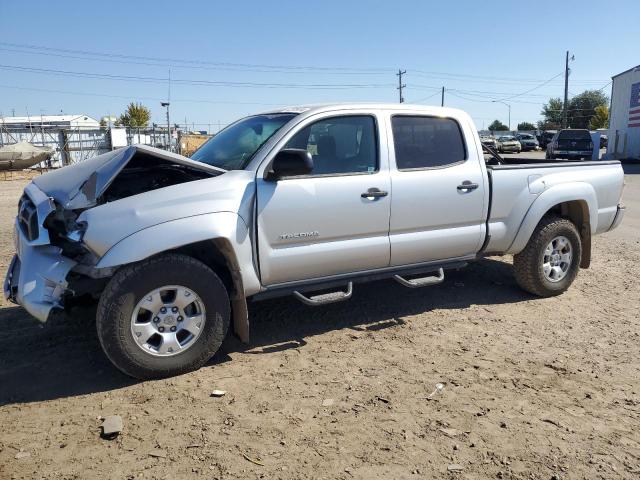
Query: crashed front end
[[53, 265], [37, 275]]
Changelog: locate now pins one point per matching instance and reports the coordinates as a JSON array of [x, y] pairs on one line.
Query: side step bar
[[421, 282], [325, 298]]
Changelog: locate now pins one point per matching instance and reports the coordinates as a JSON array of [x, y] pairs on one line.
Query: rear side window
[[574, 135], [427, 142], [340, 145]]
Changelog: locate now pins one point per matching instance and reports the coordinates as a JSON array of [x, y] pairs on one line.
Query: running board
[[421, 282], [325, 298]]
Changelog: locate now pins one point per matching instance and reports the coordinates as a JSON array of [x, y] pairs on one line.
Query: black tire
[[128, 286], [528, 263]]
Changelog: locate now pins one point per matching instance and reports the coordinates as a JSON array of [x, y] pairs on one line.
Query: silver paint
[[423, 220]]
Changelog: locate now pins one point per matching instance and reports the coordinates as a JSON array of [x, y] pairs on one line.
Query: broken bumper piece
[[36, 278]]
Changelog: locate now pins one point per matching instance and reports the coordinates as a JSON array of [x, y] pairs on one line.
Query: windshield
[[525, 136], [234, 147], [506, 139]]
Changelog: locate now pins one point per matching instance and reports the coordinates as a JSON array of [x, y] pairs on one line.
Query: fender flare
[[229, 233], [555, 195]]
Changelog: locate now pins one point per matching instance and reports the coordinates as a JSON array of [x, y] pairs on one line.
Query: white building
[[624, 116], [59, 121]]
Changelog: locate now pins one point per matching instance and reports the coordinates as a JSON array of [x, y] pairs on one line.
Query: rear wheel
[[162, 317], [550, 262]]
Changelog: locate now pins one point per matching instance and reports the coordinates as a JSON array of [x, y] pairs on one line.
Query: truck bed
[[515, 187], [543, 162]]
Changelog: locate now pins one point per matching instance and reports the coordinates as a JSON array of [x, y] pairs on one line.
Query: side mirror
[[290, 162]]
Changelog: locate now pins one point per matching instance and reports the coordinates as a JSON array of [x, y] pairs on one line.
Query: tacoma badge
[[287, 236]]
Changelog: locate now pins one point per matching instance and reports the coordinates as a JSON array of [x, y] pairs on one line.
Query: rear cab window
[[574, 135], [422, 142]]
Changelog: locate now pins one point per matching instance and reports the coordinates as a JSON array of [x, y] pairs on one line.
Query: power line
[[532, 89], [498, 94], [602, 88], [105, 76], [194, 62], [248, 67], [199, 67], [135, 97], [425, 98], [486, 79]]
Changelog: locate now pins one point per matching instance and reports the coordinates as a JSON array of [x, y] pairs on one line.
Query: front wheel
[[549, 263], [164, 316]]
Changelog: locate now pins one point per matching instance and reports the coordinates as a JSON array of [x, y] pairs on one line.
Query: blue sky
[[293, 52]]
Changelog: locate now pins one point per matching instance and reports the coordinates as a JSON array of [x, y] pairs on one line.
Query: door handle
[[374, 193], [467, 185]]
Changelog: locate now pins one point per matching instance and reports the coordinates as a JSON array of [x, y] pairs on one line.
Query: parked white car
[[509, 143]]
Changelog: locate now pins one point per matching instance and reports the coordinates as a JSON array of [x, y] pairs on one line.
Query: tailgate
[[575, 144]]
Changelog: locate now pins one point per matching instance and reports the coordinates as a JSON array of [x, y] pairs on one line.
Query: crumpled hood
[[81, 184], [109, 223]]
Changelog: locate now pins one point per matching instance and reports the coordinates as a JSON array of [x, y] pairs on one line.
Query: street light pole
[[508, 106]]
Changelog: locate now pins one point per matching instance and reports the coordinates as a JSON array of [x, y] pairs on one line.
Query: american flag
[[634, 106]]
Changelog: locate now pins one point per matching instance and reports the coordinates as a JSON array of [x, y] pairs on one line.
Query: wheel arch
[[575, 201], [219, 240], [219, 256]]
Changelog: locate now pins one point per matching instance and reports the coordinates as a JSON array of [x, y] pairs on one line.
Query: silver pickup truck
[[302, 201]]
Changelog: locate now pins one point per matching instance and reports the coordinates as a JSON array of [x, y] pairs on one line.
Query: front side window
[[339, 145], [427, 142], [234, 147]]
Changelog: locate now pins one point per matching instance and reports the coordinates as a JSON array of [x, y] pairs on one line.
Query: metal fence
[[72, 145]]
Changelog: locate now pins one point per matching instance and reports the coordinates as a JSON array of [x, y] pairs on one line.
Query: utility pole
[[400, 84], [442, 101], [42, 127], [565, 108], [166, 104]]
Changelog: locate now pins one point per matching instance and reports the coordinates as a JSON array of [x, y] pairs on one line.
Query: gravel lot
[[533, 388]]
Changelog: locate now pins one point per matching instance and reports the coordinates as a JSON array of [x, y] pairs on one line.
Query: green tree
[[136, 115], [600, 118], [552, 114], [580, 110], [526, 126], [498, 126], [583, 107]]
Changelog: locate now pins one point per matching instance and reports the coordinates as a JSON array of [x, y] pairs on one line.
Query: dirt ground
[[533, 388]]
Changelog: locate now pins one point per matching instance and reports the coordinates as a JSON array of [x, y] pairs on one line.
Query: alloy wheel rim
[[557, 257], [168, 320]]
